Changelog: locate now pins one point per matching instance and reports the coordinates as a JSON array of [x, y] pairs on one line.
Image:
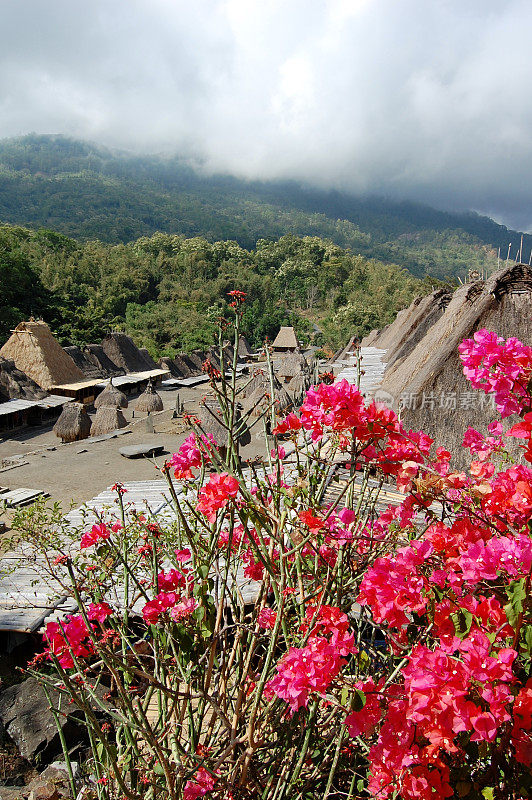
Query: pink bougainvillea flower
[[215, 495], [99, 612], [97, 534]]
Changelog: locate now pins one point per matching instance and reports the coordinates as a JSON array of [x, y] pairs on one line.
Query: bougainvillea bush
[[273, 644]]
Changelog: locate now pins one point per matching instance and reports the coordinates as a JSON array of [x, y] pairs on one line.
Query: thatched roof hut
[[290, 366], [97, 356], [212, 423], [192, 365], [85, 364], [285, 341], [111, 396], [39, 355], [107, 420], [123, 352], [428, 383], [198, 358], [244, 350], [260, 401], [260, 379], [172, 366], [15, 385], [410, 325], [73, 424], [298, 384], [149, 401]]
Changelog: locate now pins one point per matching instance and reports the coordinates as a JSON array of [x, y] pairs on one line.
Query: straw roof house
[[107, 420], [212, 423], [123, 352], [149, 401], [260, 379], [410, 326], [111, 396], [97, 356], [428, 381], [290, 366], [260, 401], [85, 364], [285, 341], [244, 350], [74, 423], [172, 366], [192, 365], [15, 385], [39, 355]]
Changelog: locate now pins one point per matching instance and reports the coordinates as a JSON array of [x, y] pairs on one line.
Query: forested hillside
[[88, 192], [169, 292]]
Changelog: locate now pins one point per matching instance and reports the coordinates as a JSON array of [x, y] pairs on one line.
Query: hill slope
[[89, 192]]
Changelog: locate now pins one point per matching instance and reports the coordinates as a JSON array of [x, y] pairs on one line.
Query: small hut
[[37, 353], [111, 396], [427, 384], [286, 341], [290, 366], [74, 423], [149, 401], [211, 422], [123, 352], [245, 352], [107, 420]]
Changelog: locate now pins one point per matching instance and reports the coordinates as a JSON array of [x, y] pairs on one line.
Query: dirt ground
[[74, 473]]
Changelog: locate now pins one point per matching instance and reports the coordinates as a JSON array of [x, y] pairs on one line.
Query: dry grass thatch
[[212, 423], [111, 396], [40, 356], [286, 339], [260, 379], [260, 402], [73, 424], [430, 377], [123, 352], [244, 350], [14, 384], [107, 420], [84, 363], [149, 401], [190, 364], [172, 365], [97, 356], [291, 365]]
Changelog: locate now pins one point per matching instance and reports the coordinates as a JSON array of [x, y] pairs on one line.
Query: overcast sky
[[425, 99]]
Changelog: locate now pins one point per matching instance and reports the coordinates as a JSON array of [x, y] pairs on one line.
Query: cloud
[[408, 98]]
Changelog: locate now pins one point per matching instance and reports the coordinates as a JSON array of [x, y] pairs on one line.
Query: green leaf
[[358, 701], [488, 793], [516, 594]]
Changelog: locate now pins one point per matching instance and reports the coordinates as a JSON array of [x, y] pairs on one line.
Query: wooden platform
[[21, 497]]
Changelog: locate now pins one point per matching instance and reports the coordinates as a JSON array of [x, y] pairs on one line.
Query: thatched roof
[[212, 423], [261, 380], [299, 384], [348, 351], [85, 364], [123, 352], [291, 365], [198, 358], [260, 401], [149, 401], [190, 364], [37, 353], [74, 423], [15, 385], [97, 356], [111, 396], [172, 365], [410, 325], [432, 372], [244, 350], [107, 420], [286, 339]]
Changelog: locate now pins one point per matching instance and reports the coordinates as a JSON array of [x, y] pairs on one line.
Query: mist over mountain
[[87, 191]]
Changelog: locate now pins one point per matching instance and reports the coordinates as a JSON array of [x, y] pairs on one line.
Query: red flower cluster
[[216, 494], [70, 639], [170, 585], [97, 534]]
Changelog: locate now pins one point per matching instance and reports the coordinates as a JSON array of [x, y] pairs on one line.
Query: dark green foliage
[[88, 192], [169, 292]]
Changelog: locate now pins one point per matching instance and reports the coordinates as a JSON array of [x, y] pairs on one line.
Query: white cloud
[[428, 100]]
